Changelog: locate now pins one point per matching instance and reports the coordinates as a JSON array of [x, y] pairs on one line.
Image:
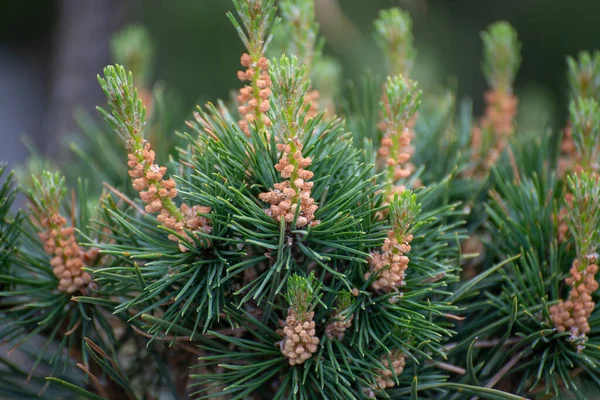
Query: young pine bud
[[584, 222], [297, 36], [501, 61], [339, 323], [386, 378], [502, 56], [289, 88], [298, 31], [390, 263], [257, 18], [67, 258], [127, 114], [403, 99], [393, 33], [295, 190], [403, 213], [299, 341], [401, 102], [133, 48], [127, 117], [585, 117], [584, 212], [583, 76], [582, 138]]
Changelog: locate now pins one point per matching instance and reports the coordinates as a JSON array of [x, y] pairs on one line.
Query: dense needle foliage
[[306, 240]]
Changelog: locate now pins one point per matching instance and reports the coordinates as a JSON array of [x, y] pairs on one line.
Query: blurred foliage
[[446, 34]]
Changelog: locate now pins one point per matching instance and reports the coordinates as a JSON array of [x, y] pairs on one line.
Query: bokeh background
[[51, 51]]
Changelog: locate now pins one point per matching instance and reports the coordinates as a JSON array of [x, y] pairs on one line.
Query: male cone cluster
[[385, 377], [572, 315], [312, 98], [338, 326], [67, 257], [568, 151], [500, 112], [391, 264], [498, 118], [295, 191], [254, 98], [398, 123], [157, 193], [396, 149], [299, 340]]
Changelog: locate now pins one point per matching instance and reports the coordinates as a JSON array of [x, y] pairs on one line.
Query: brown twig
[[513, 165], [95, 381], [99, 350], [500, 374], [454, 317], [448, 367], [187, 164], [191, 349], [225, 332], [73, 329], [435, 278], [486, 343], [73, 208]]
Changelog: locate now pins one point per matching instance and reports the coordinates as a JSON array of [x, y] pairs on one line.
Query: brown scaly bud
[[386, 377], [562, 218], [295, 190], [500, 112], [497, 122]]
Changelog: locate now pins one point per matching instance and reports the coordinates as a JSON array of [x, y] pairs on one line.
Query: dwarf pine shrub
[[307, 240]]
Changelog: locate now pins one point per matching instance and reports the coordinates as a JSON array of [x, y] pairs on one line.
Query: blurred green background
[[50, 52]]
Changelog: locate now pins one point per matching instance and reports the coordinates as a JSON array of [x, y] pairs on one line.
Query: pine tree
[[302, 241]]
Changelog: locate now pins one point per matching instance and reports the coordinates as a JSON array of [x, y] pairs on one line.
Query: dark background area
[[51, 51]]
